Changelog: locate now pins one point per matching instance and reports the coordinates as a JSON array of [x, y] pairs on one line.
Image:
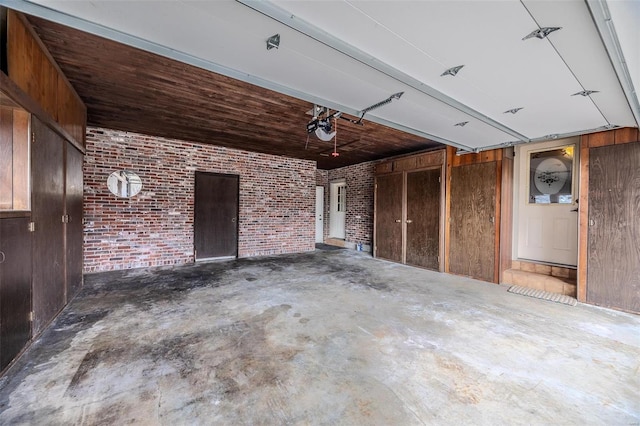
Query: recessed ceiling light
[[452, 71], [541, 32], [273, 41], [461, 124], [513, 110], [585, 92]]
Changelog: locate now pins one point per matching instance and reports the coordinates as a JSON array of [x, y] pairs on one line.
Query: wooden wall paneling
[[496, 221], [583, 220], [73, 227], [32, 68], [626, 135], [388, 217], [472, 220], [47, 208], [613, 270], [21, 169], [15, 287], [506, 213], [450, 156], [386, 167], [423, 218], [601, 139], [6, 158]]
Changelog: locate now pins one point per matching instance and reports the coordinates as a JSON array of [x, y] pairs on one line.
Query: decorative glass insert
[[551, 176]]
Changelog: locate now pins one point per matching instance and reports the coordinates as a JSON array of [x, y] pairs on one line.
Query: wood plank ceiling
[[129, 89]]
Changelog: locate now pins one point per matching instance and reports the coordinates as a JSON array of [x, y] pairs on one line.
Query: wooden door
[[472, 228], [47, 203], [388, 217], [15, 287], [337, 210], [613, 268], [216, 215], [423, 218], [319, 214], [73, 211]]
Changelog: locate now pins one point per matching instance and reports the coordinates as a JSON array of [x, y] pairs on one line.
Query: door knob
[[2, 257], [409, 221], [398, 220], [233, 220]]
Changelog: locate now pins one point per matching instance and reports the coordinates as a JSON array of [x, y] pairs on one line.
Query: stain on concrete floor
[[328, 337]]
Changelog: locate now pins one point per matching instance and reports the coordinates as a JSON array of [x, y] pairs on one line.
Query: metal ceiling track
[[53, 15], [269, 9], [602, 18]]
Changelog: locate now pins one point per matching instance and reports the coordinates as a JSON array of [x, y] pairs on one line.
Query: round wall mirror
[[124, 183]]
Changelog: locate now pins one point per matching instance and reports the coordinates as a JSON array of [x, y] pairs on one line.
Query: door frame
[[519, 186], [335, 184], [320, 203], [237, 217]]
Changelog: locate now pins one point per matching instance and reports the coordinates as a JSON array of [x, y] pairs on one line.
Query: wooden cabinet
[[15, 287], [408, 210]]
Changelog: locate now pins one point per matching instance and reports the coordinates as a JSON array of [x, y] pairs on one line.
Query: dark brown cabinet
[[15, 287], [408, 210]]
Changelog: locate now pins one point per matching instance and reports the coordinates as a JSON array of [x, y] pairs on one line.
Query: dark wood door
[[472, 228], [388, 217], [15, 287], [423, 218], [73, 210], [613, 269], [216, 215], [47, 204]]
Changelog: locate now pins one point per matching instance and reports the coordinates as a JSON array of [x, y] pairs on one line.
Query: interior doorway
[[547, 197], [216, 216], [338, 209], [319, 214]]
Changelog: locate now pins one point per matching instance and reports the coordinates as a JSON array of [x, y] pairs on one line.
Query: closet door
[[388, 217], [423, 218], [47, 203], [15, 287], [472, 221], [73, 214]]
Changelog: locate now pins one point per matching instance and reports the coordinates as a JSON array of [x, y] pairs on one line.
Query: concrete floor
[[329, 337]]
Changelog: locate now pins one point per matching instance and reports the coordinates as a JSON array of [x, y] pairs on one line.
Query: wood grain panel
[[626, 135], [47, 203], [216, 215], [506, 215], [583, 221], [613, 271], [32, 68], [6, 158], [129, 89], [21, 169], [15, 288], [423, 210], [476, 158], [73, 228], [430, 159], [384, 168], [472, 220], [388, 217]]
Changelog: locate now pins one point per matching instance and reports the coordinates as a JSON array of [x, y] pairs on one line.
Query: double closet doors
[[408, 217]]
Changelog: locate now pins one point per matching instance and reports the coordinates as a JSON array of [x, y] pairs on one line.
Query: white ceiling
[[348, 55]]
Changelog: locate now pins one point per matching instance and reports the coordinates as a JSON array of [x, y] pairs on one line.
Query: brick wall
[[360, 192], [277, 200]]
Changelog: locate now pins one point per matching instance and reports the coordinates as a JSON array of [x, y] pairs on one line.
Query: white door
[[338, 209], [319, 214], [547, 201]]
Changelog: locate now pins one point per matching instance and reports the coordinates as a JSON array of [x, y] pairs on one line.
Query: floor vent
[[544, 295]]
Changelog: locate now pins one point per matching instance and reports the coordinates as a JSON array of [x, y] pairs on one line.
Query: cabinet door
[[73, 209], [15, 287], [472, 228], [613, 268], [388, 217], [423, 218], [47, 203]]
